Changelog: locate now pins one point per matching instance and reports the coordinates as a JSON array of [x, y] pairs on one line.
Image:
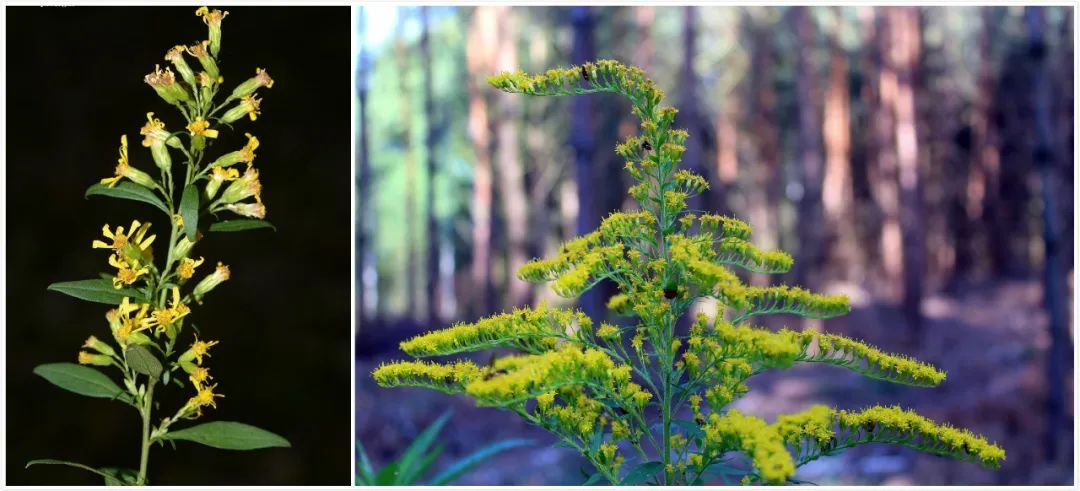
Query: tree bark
[[507, 159], [482, 38], [583, 140], [366, 274], [837, 195], [432, 248], [412, 273], [810, 227], [1053, 292], [689, 105], [905, 54]]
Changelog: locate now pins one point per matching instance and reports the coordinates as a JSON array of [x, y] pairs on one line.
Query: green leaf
[[412, 477], [189, 211], [129, 190], [641, 473], [595, 478], [465, 464], [97, 290], [241, 225], [367, 473], [69, 464], [82, 380], [143, 361], [388, 475], [119, 476], [419, 448], [228, 435], [691, 428]]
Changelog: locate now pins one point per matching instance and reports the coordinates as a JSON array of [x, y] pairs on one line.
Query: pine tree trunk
[[412, 272], [583, 140], [1053, 292], [810, 227], [482, 37], [432, 247], [508, 163], [837, 195], [366, 274]]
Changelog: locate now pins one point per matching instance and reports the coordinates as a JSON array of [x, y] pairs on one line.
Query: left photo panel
[[178, 246]]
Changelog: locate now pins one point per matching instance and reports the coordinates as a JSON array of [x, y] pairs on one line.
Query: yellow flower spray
[[622, 411], [150, 284]]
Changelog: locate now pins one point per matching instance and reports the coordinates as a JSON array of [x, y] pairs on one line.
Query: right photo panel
[[714, 245]]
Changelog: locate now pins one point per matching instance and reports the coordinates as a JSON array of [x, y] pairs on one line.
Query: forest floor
[[989, 339]]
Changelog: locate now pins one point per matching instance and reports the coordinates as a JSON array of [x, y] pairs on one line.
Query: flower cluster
[[152, 291], [614, 392]]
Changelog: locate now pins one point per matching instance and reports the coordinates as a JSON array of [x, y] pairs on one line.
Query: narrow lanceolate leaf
[[189, 210], [82, 380], [143, 361], [70, 464], [459, 468], [241, 225], [96, 290], [229, 435], [642, 473], [129, 190], [412, 458]]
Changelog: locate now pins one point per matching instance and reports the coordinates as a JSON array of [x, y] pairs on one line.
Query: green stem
[[144, 458]]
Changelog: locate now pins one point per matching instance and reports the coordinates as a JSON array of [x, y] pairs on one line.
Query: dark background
[[74, 86]]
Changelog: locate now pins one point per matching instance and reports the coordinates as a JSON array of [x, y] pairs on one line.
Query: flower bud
[[213, 19], [210, 282], [92, 359], [248, 106], [198, 50], [156, 136], [164, 83], [249, 86], [99, 346], [218, 176], [246, 186], [183, 246], [176, 56], [254, 210], [246, 154]]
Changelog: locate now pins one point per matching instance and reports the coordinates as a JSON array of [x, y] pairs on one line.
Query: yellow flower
[[246, 186], [163, 318], [249, 86], [153, 130], [187, 266], [218, 176], [199, 377], [96, 345], [127, 327], [127, 272], [200, 349], [205, 397], [249, 106], [201, 127], [211, 17], [135, 236], [124, 169]]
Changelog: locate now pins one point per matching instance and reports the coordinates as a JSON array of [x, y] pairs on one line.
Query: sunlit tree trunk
[[507, 159], [689, 104], [906, 41], [482, 38], [837, 195]]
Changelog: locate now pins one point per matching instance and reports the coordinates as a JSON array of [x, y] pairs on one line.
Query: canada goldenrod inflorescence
[[619, 405], [148, 285]]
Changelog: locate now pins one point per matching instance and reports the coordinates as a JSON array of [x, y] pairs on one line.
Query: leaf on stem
[[82, 380], [228, 435], [129, 190]]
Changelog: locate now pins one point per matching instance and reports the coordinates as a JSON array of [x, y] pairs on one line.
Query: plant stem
[[144, 458]]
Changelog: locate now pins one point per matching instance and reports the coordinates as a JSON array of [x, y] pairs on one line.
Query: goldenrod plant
[[643, 402], [152, 289]]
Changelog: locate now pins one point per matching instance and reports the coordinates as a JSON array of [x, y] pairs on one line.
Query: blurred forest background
[[919, 160]]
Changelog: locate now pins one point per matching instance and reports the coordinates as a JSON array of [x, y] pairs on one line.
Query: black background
[[74, 85]]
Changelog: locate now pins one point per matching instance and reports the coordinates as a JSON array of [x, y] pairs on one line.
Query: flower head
[[164, 83], [199, 51], [246, 186], [208, 283], [199, 377], [128, 272], [201, 127], [248, 106], [187, 266], [217, 176], [127, 323], [120, 240], [93, 359], [205, 397], [213, 19], [254, 210], [249, 86], [97, 345], [124, 169]]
